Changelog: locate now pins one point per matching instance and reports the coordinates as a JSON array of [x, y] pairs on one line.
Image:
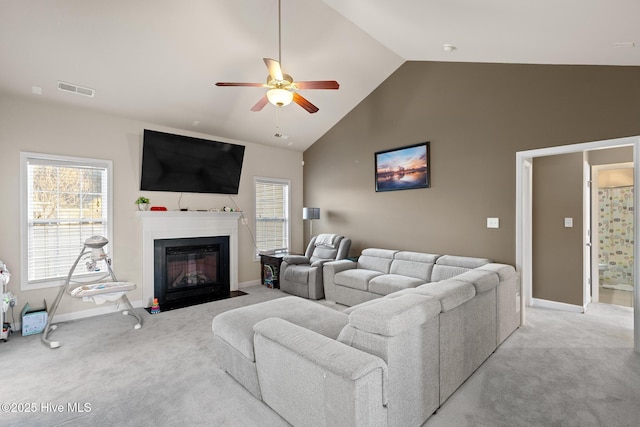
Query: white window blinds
[[67, 201], [272, 214]]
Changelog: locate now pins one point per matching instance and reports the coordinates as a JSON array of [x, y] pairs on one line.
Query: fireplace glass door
[[191, 270]]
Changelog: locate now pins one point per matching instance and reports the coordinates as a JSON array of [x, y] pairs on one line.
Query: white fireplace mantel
[[183, 224]]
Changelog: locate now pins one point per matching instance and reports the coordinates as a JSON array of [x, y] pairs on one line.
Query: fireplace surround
[[159, 225]]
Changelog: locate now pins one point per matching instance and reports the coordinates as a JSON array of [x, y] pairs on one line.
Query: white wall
[[35, 126]]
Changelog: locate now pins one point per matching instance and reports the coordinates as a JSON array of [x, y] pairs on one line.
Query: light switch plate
[[568, 222], [493, 222]]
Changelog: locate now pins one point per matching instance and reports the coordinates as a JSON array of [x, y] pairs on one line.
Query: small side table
[[270, 266]]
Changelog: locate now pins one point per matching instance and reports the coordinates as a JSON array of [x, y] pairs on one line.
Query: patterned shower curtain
[[615, 233]]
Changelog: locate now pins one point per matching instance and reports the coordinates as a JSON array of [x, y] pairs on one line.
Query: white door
[[586, 212]]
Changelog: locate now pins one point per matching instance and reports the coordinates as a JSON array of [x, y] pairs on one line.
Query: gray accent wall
[[476, 116]]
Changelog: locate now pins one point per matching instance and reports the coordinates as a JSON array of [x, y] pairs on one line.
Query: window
[[272, 214], [65, 200]]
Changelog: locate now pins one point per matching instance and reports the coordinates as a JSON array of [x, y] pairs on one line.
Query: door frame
[[524, 191]]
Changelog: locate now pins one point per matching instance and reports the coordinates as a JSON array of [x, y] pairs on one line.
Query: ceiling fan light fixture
[[280, 97]]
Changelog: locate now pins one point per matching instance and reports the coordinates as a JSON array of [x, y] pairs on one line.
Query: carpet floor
[[560, 369]]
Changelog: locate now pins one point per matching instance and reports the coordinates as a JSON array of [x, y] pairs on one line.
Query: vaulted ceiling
[[158, 60]]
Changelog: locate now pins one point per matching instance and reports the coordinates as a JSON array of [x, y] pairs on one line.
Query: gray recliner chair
[[301, 275]]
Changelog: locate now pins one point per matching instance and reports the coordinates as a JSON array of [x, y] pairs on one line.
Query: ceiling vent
[[79, 90]]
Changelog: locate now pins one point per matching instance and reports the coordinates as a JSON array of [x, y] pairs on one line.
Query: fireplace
[[171, 225], [189, 271]]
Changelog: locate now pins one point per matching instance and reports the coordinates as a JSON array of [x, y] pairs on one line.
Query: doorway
[[613, 224], [524, 176]]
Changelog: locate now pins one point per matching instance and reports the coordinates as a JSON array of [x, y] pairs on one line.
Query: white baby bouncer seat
[[96, 290]]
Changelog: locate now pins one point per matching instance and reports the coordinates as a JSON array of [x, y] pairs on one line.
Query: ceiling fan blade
[[260, 104], [274, 69], [241, 84], [301, 101], [318, 84]]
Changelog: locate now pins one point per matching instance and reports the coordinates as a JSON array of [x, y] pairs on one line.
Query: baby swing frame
[[96, 290]]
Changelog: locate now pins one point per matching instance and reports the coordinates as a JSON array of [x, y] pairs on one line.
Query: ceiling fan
[[282, 88]]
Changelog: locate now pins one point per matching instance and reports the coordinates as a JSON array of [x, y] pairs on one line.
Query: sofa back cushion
[[414, 264], [451, 293], [404, 332], [337, 248], [393, 316], [376, 259], [482, 280], [448, 266]]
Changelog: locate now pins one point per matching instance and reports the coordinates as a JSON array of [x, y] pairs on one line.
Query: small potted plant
[[143, 203]]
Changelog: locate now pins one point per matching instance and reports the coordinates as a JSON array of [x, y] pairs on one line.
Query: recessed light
[[280, 135], [449, 47]]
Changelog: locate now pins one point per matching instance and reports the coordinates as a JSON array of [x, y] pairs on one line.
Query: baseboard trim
[[249, 283], [554, 305]]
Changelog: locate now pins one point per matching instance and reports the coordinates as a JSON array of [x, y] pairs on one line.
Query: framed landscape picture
[[403, 168]]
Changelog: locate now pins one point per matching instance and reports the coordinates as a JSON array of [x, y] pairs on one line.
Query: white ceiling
[[157, 60]]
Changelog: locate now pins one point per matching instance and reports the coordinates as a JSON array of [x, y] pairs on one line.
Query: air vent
[[70, 87]]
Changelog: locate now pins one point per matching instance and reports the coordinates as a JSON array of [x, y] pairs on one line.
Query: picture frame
[[403, 168]]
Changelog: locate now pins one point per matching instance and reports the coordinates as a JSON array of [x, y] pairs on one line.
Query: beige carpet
[[561, 369], [161, 375]]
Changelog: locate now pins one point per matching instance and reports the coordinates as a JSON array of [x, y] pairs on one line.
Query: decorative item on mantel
[[143, 203]]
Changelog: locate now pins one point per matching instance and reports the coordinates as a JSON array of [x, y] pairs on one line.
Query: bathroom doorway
[[613, 226]]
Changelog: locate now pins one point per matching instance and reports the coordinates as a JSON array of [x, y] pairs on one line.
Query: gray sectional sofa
[[407, 343]]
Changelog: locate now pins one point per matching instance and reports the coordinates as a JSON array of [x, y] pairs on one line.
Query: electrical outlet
[[493, 222]]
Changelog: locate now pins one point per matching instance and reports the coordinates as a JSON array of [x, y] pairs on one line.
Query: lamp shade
[[310, 213], [280, 97]]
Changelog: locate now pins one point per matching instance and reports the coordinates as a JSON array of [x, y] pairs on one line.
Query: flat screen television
[[189, 165]]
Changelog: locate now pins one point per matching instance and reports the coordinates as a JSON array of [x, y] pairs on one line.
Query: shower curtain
[[615, 234]]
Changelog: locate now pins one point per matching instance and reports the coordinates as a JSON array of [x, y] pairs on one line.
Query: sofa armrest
[[320, 262], [508, 298], [312, 379], [329, 271], [296, 259]]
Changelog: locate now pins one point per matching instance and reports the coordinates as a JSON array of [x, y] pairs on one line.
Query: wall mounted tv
[[190, 165]]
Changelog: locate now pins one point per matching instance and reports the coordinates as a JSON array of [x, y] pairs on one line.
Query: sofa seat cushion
[[357, 278], [236, 326], [298, 273], [389, 283]]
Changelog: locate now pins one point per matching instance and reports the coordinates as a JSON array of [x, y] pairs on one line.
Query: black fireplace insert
[[189, 271]]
